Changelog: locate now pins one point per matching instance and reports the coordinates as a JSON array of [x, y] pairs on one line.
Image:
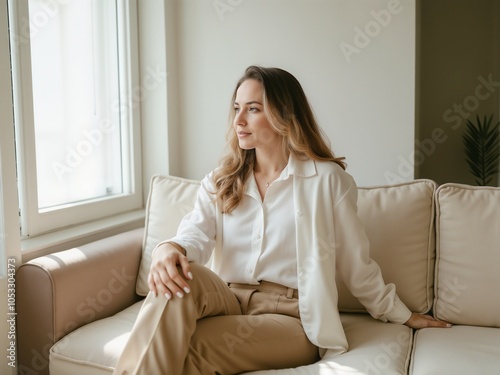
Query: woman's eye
[[253, 109], [236, 109]]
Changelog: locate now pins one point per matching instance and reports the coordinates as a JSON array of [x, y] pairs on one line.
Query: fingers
[[433, 322], [174, 282], [168, 273], [437, 323], [184, 263], [418, 321]]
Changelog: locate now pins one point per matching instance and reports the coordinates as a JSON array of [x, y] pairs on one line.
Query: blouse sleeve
[[359, 272], [196, 232]]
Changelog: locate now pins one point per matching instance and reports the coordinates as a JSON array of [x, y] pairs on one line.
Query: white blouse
[[258, 240]]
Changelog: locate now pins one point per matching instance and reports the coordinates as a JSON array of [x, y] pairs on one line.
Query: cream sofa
[[440, 246]]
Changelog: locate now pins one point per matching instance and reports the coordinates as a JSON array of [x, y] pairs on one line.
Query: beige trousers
[[217, 329]]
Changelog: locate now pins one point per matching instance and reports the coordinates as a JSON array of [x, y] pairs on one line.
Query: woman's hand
[[418, 321], [164, 277]]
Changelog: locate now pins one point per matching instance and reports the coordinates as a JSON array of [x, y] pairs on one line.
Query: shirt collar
[[300, 167], [295, 166]]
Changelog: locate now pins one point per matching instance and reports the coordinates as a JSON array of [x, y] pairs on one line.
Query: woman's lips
[[243, 134]]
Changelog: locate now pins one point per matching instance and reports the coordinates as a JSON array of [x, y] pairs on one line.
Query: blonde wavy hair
[[289, 115]]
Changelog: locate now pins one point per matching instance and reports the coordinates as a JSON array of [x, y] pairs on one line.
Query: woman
[[280, 216]]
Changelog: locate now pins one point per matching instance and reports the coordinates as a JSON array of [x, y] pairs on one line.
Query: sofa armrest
[[60, 292]]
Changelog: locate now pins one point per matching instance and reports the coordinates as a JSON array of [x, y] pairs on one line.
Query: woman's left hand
[[418, 321]]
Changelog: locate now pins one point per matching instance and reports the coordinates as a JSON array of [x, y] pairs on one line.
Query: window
[[74, 66], [75, 76]]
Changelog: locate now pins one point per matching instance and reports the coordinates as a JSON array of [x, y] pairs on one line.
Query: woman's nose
[[239, 119]]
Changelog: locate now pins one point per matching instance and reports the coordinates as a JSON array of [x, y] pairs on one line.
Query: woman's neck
[[267, 168], [268, 164]]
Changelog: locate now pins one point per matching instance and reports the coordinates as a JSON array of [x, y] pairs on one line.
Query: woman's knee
[[200, 274], [205, 278], [197, 268]]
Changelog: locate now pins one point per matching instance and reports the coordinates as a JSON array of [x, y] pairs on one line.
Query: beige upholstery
[[63, 291], [458, 350], [399, 223], [467, 280], [94, 348], [375, 345], [468, 243]]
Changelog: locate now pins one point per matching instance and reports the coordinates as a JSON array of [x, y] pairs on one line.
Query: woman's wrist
[[178, 247]]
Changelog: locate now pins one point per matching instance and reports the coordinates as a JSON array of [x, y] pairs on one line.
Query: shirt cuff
[[399, 314], [189, 254]]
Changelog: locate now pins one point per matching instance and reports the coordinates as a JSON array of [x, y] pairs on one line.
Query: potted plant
[[482, 149]]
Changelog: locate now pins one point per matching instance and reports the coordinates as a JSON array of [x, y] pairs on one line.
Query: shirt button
[[298, 213], [259, 236], [250, 271]]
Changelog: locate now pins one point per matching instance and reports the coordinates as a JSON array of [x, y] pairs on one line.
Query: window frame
[[9, 227], [33, 221]]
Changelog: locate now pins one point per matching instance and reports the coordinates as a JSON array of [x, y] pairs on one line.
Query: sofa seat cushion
[[460, 350], [374, 348], [94, 348]]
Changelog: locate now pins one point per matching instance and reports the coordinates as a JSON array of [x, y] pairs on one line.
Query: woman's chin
[[246, 146]]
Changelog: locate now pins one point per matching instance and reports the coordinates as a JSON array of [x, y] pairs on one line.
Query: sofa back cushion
[[170, 199], [468, 255], [399, 222]]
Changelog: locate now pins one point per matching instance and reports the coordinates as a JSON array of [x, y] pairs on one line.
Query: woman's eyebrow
[[251, 102]]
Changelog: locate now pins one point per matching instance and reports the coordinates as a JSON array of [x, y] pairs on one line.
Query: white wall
[[365, 102]]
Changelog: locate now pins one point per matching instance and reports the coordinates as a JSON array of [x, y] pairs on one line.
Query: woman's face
[[250, 122]]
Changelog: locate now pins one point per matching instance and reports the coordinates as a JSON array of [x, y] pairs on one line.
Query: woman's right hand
[[164, 276]]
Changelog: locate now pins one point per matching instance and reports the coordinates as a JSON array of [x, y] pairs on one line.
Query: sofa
[[440, 246]]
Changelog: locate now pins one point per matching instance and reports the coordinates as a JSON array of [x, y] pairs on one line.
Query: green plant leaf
[[481, 141]]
